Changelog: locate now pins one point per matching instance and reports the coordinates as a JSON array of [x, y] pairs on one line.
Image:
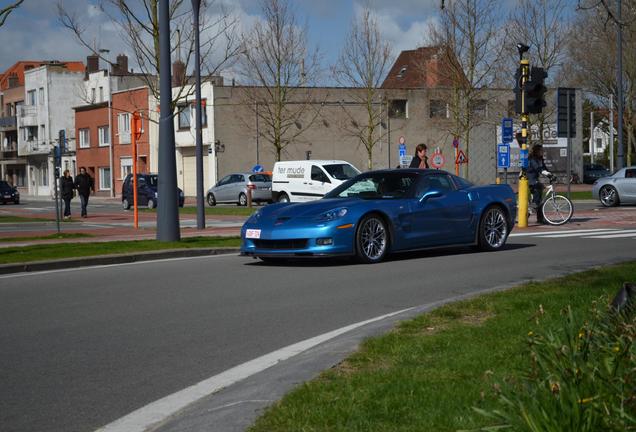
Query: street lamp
[[196, 4], [167, 212]]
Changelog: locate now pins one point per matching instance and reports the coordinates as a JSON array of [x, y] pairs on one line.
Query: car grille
[[281, 244]]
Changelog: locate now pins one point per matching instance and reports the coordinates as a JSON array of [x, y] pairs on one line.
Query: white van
[[307, 180]]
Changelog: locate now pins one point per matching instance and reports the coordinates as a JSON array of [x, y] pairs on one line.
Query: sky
[[33, 31]]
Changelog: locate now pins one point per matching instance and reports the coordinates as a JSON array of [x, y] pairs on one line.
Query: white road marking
[[528, 234], [584, 235], [141, 419], [625, 233], [44, 272]]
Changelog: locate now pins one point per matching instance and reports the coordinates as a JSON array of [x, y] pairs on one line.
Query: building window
[[104, 136], [204, 113], [42, 131], [44, 174], [123, 128], [480, 107], [184, 116], [31, 97], [101, 94], [41, 92], [398, 108], [126, 166], [104, 178], [93, 95], [30, 133], [438, 109], [599, 143], [84, 138]]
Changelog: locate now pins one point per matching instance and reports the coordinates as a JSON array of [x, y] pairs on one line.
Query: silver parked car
[[619, 188], [233, 188]]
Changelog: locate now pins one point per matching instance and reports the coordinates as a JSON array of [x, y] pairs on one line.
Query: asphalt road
[[82, 348]]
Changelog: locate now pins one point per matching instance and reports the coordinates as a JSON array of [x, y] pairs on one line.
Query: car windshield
[[341, 171], [150, 180], [384, 185]]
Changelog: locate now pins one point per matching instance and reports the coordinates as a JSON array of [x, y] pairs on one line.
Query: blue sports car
[[384, 211]]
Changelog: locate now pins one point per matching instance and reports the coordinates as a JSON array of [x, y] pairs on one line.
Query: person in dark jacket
[[84, 185], [537, 168], [66, 188], [420, 160]]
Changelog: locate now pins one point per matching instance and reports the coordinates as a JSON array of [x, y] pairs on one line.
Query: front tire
[[151, 204], [493, 229], [211, 200], [557, 210], [372, 239], [125, 204], [608, 195]]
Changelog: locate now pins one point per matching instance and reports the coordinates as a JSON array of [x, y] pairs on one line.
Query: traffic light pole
[[522, 205]]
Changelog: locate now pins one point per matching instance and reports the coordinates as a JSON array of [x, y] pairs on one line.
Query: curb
[[110, 259]]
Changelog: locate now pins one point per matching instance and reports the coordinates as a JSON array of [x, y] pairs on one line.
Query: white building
[[50, 93], [185, 137], [600, 140]]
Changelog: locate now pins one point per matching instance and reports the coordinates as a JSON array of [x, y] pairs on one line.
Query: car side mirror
[[433, 193]]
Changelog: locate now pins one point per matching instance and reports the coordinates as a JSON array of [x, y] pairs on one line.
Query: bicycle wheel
[[557, 210]]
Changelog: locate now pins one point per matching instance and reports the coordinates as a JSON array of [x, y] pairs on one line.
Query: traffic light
[[518, 105], [535, 91]]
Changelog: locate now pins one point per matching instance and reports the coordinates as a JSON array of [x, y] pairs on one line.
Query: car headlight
[[255, 216], [333, 214]]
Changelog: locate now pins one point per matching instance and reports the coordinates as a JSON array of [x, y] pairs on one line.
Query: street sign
[[455, 142], [257, 168], [461, 158], [523, 158], [402, 150], [437, 160], [506, 130], [405, 161], [566, 112], [503, 156]]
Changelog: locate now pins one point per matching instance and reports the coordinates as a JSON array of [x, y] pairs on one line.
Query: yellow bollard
[[497, 180], [522, 205]]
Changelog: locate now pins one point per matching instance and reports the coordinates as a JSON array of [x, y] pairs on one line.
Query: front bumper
[[299, 239]]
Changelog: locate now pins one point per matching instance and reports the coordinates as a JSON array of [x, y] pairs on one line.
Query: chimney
[[121, 68], [14, 81], [92, 64], [178, 73]]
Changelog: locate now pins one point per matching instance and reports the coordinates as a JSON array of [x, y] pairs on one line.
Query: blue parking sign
[[503, 156], [506, 130]]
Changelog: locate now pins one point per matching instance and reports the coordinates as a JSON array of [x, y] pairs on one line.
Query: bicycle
[[557, 209]]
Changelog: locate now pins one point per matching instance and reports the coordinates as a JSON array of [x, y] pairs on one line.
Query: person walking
[[84, 185], [67, 188], [420, 160]]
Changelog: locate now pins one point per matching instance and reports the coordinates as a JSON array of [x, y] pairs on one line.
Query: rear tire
[[242, 200], [151, 203], [211, 200], [557, 210], [608, 195], [493, 229], [372, 239], [283, 198], [125, 204]]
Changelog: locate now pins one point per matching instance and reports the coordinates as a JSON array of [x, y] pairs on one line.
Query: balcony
[[6, 154], [33, 147], [8, 124], [28, 115]]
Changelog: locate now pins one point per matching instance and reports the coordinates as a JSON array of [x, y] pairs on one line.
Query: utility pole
[[611, 131], [167, 211], [199, 141], [591, 136], [619, 82], [522, 205]]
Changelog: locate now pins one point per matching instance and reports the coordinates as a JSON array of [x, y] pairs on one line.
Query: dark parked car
[[593, 172], [8, 193], [147, 195]]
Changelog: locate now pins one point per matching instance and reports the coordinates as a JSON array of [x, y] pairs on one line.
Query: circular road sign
[[437, 160]]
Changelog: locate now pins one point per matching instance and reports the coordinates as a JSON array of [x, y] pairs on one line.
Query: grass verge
[[579, 195], [430, 372], [48, 237], [56, 251], [14, 219]]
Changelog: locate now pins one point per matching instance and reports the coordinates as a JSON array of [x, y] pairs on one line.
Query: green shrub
[[581, 377]]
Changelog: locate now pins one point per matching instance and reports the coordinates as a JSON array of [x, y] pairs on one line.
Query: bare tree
[[593, 54], [542, 25], [5, 11], [363, 64], [138, 22], [276, 60], [469, 32]]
